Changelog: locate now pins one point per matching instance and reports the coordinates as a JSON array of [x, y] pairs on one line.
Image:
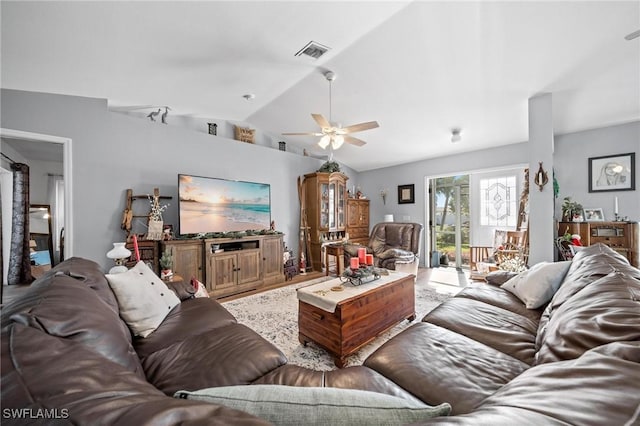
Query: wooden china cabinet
[[326, 207]]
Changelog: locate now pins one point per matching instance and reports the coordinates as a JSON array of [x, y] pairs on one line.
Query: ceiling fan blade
[[322, 122], [304, 134], [360, 127], [353, 141]]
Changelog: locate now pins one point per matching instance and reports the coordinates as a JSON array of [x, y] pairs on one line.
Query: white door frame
[[68, 178]]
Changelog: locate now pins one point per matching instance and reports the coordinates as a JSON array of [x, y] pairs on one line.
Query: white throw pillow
[[536, 286], [143, 298]]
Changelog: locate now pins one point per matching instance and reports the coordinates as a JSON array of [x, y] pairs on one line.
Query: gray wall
[[572, 153], [113, 152]]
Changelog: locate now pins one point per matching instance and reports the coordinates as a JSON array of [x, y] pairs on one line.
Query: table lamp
[[119, 253]]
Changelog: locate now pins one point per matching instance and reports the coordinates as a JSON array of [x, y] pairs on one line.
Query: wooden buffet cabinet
[[358, 221], [623, 237], [230, 265]]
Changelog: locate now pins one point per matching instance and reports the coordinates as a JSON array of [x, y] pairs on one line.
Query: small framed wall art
[[406, 194], [612, 173]]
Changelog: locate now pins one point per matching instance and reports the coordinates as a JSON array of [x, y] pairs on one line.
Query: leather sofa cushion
[[602, 387], [189, 319], [66, 307], [438, 365], [65, 375], [356, 377], [225, 356], [90, 274], [500, 329], [607, 310], [501, 298]]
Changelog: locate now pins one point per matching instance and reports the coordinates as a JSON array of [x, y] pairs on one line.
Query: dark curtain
[[19, 260]]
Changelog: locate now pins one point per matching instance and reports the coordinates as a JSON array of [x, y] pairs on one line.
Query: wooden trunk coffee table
[[358, 318]]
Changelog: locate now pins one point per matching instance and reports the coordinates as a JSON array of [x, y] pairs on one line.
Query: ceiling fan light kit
[[333, 134]]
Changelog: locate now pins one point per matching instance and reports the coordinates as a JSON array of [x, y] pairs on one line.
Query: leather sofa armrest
[[184, 290]]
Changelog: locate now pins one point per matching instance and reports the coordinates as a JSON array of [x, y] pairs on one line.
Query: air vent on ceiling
[[313, 49]]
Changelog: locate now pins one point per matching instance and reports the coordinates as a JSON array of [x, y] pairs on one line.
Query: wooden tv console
[[229, 266]]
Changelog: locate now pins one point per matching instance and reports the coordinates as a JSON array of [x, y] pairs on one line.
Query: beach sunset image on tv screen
[[221, 205]]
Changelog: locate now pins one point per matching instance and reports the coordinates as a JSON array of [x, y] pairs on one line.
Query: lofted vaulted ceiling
[[419, 68]]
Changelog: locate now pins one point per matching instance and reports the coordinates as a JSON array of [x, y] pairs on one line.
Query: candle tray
[[361, 275]]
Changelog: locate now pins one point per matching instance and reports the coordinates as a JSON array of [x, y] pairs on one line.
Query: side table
[[336, 250]]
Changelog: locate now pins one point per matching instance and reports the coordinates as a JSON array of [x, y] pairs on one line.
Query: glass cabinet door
[[332, 206], [341, 205], [325, 206]]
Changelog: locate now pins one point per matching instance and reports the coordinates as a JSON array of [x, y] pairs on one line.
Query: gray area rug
[[274, 315]]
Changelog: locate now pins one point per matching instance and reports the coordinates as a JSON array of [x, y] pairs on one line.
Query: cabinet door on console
[[187, 258], [248, 268], [222, 269], [272, 258]]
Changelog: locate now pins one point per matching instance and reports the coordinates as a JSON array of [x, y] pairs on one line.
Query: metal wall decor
[[213, 129], [541, 177]]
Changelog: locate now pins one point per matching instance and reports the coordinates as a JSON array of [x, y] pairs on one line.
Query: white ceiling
[[419, 68]]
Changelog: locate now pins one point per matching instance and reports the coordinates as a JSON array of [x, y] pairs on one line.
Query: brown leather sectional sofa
[[65, 348]]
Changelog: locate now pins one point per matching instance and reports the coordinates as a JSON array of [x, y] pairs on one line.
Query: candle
[[354, 263], [135, 247], [361, 255], [615, 205], [369, 259]]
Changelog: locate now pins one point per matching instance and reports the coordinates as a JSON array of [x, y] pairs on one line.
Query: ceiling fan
[[333, 134]]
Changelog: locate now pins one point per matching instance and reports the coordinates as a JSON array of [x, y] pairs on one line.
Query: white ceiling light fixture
[[333, 134], [455, 135]]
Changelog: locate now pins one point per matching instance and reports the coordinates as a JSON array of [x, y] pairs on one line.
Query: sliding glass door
[[449, 198]]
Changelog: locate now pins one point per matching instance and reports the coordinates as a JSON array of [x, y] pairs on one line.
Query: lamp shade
[[337, 141], [119, 253], [324, 141]]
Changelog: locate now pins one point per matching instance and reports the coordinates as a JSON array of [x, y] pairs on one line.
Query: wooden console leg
[[303, 339], [339, 362], [411, 318]]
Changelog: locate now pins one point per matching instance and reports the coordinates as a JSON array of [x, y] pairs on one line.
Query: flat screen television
[[221, 205]]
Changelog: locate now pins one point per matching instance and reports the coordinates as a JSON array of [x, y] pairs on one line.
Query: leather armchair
[[394, 245]]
